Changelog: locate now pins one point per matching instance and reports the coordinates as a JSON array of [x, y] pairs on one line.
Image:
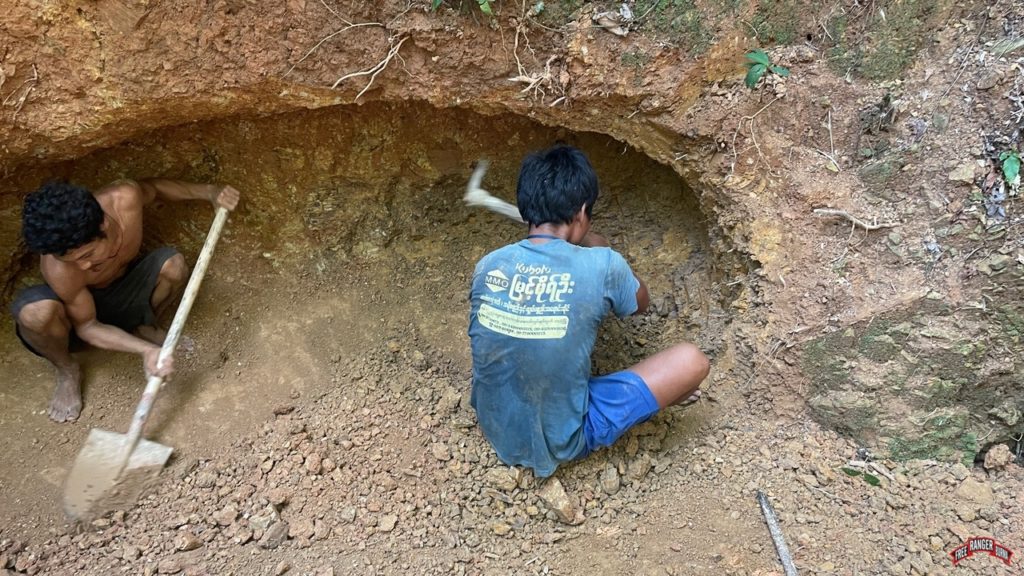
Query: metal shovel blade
[[96, 483]]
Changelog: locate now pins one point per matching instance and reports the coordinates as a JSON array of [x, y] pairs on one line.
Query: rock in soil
[[275, 535], [998, 457], [554, 496]]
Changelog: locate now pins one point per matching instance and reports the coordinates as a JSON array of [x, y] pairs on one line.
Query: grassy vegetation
[[776, 22], [944, 436], [682, 22], [879, 44]]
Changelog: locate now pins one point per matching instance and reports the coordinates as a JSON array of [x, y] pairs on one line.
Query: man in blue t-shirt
[[535, 309]]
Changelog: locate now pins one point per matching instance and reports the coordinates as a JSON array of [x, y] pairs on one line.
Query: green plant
[[1011, 165], [758, 64], [485, 6], [869, 478]]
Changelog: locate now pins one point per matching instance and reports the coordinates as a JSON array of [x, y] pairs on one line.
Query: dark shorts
[[124, 303], [618, 401]]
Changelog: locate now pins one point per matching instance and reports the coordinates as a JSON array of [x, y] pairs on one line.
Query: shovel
[[112, 469]]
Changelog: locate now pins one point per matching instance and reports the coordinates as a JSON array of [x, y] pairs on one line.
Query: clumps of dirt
[[387, 473]]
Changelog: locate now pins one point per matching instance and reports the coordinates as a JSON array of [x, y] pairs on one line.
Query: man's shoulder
[[120, 194], [498, 254], [65, 279]]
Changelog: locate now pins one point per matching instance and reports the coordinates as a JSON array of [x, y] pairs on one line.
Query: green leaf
[[758, 56], [485, 7], [1011, 167], [850, 471], [872, 479], [434, 4], [780, 71], [754, 74]]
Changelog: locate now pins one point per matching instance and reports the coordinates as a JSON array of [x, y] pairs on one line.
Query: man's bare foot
[[691, 399], [67, 398]]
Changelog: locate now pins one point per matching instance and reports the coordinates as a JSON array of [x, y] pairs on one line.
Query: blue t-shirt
[[535, 311]]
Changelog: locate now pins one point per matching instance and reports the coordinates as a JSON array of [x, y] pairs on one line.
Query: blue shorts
[[618, 401]]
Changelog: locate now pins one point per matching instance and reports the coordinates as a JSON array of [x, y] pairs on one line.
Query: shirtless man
[[98, 289]]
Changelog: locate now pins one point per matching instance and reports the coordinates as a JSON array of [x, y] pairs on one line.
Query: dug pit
[[351, 241]]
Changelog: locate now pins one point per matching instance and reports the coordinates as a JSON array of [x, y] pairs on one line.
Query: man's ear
[[581, 214]]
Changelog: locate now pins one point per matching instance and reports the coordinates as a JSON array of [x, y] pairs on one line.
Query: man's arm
[[176, 190], [643, 299], [81, 309]]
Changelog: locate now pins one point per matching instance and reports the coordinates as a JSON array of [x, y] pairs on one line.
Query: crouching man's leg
[[674, 375], [44, 326], [621, 400], [170, 283]]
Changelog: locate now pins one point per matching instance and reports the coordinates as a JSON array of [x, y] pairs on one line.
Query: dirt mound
[[387, 473]]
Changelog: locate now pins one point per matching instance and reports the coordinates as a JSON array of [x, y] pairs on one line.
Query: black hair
[[554, 184], [59, 217]]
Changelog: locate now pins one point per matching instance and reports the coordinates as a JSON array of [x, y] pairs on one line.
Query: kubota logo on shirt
[[496, 281]]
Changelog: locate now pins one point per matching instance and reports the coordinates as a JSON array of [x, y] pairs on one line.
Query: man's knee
[[44, 317], [174, 270], [694, 359]]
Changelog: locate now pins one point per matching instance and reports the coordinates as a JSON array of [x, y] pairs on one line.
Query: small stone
[[554, 496], [959, 471], [226, 516], [275, 535], [321, 530], [639, 467], [206, 479], [975, 491], [963, 173], [808, 479], [281, 568], [264, 519], [960, 531], [186, 541], [300, 528], [278, 496], [501, 529], [610, 482], [170, 566], [283, 409], [347, 514], [504, 478], [313, 463], [243, 536], [966, 512], [328, 465], [989, 80], [997, 262], [936, 543], [440, 451], [130, 553], [387, 522]]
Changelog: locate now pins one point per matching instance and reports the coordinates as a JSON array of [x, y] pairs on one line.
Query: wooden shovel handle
[[154, 383]]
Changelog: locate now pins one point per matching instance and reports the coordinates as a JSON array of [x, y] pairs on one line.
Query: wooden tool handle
[[154, 383]]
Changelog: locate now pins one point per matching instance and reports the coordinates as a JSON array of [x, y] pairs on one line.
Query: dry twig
[[534, 82], [373, 71], [832, 212], [329, 36], [31, 83], [753, 138]]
